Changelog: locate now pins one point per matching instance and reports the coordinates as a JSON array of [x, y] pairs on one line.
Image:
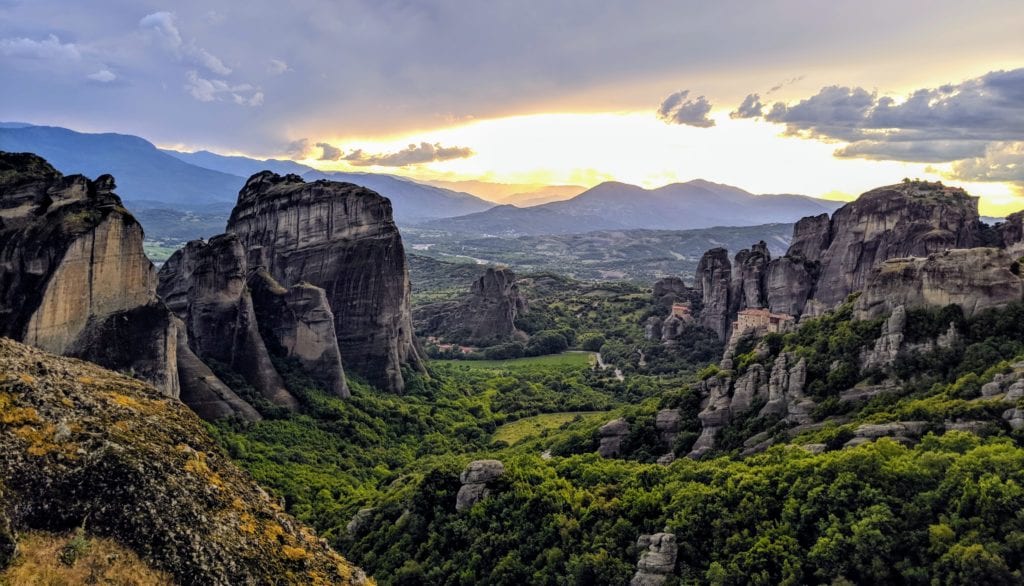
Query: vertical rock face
[[657, 562], [670, 290], [973, 278], [612, 435], [495, 303], [486, 316], [297, 322], [811, 237], [749, 276], [476, 479], [73, 275], [341, 238], [910, 219], [713, 283], [1012, 232], [205, 285]]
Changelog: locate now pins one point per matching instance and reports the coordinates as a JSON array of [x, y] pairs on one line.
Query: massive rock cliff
[[830, 258], [485, 316], [73, 275], [205, 285], [342, 238], [714, 285], [908, 219], [973, 278]]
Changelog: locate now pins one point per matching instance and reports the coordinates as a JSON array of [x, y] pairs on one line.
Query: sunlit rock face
[[342, 238], [907, 219], [73, 275], [973, 278]]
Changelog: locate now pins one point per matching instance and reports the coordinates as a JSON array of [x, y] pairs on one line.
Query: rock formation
[[713, 284], [750, 272], [1011, 232], [342, 238], [298, 323], [484, 317], [974, 278], [83, 446], [670, 290], [612, 435], [476, 480], [781, 391], [204, 284], [907, 219], [657, 561], [73, 275]]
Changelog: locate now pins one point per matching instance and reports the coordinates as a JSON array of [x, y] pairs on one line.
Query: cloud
[[164, 28], [784, 83], [976, 124], [298, 149], [329, 152], [751, 107], [215, 90], [277, 67], [1002, 161], [103, 76], [49, 49], [411, 155], [677, 109]]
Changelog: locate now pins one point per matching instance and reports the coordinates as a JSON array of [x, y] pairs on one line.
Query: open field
[[513, 432]]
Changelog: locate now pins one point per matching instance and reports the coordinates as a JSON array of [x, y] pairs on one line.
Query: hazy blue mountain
[[146, 176], [620, 206], [240, 165], [413, 202]]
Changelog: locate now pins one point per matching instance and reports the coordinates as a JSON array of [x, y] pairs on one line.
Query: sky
[[789, 96]]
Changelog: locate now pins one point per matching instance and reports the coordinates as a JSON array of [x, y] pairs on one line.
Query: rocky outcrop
[[903, 220], [203, 392], [670, 290], [484, 317], [342, 238], [889, 344], [1011, 233], [713, 284], [786, 384], [975, 279], [83, 446], [780, 391], [657, 561], [477, 479], [205, 284], [612, 435], [297, 323], [73, 275], [749, 279]]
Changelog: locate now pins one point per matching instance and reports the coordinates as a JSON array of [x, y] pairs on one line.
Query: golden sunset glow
[[638, 148]]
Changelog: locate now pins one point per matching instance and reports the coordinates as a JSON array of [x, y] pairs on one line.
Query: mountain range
[[185, 186], [620, 206]]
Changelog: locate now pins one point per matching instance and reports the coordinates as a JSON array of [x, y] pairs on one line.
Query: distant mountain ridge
[[621, 206], [152, 178], [146, 176]]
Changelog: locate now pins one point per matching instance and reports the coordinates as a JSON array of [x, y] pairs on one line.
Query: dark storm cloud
[[978, 122], [678, 109], [751, 107], [987, 108], [412, 155]]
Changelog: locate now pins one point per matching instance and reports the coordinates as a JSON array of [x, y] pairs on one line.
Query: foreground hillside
[[82, 447]]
